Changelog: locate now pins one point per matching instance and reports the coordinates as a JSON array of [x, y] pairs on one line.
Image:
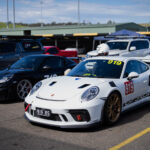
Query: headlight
[[6, 78], [90, 93], [36, 87]]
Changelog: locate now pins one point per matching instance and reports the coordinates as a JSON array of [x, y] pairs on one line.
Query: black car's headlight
[[6, 78], [36, 87], [90, 93]]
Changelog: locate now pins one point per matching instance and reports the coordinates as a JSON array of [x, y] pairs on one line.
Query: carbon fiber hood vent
[[83, 86], [52, 83]]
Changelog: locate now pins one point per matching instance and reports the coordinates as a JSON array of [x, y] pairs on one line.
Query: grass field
[[3, 25]]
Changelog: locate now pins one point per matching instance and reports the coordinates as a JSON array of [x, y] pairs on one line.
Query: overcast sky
[[94, 11]]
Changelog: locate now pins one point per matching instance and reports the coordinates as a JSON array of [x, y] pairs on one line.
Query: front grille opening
[[80, 115], [64, 117], [53, 117]]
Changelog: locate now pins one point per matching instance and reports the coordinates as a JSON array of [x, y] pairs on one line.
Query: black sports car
[[17, 80]]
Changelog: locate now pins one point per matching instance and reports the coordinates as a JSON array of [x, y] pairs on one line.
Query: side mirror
[[132, 48], [67, 71], [132, 75]]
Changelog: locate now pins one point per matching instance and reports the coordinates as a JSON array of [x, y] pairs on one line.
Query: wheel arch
[[115, 90], [102, 115]]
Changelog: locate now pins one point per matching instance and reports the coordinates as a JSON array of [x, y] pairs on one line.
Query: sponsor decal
[[129, 87], [115, 62], [136, 99], [50, 76]]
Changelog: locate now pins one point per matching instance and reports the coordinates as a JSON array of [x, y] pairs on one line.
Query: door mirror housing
[[132, 75], [132, 48], [67, 71]]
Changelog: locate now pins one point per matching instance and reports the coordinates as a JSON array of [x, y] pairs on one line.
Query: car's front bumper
[[7, 91], [67, 117]]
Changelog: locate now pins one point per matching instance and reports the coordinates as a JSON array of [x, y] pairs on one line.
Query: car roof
[[43, 55], [126, 40]]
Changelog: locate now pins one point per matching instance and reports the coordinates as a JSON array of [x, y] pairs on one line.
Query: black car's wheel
[[112, 108], [23, 88]]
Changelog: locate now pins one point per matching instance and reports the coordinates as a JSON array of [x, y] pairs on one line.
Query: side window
[[132, 66], [67, 61], [143, 67], [52, 50], [140, 44], [144, 44], [7, 48], [53, 62], [31, 46], [135, 44]]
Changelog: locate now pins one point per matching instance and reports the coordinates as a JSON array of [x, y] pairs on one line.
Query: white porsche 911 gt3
[[96, 89]]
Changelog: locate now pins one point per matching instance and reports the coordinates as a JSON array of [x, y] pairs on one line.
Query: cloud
[[29, 11]]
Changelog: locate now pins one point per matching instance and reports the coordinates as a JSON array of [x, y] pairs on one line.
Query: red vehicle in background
[[69, 52], [54, 50]]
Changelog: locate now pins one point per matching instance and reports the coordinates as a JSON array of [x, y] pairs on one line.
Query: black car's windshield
[[28, 63], [98, 69], [118, 45]]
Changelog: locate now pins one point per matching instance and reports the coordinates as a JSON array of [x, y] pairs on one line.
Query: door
[[52, 66], [135, 88], [142, 48]]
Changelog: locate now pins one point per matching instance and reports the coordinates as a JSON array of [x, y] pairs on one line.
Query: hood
[[92, 53], [115, 52], [12, 71], [66, 87]]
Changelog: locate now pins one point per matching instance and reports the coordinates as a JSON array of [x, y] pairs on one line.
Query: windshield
[[27, 63], [118, 45], [98, 69]]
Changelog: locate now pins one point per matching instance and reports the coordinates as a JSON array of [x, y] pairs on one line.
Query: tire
[[23, 88], [112, 108]]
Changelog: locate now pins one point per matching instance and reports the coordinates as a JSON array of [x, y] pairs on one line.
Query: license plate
[[43, 112]]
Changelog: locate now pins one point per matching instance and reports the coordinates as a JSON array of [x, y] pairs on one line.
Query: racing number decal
[[129, 87], [115, 62]]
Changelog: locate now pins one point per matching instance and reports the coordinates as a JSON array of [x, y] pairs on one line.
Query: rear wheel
[[23, 88], [112, 108]]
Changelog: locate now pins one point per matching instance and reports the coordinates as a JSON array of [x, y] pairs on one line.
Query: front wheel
[[23, 88], [112, 108]]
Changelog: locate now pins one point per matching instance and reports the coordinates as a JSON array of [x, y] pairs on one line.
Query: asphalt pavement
[[132, 132]]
